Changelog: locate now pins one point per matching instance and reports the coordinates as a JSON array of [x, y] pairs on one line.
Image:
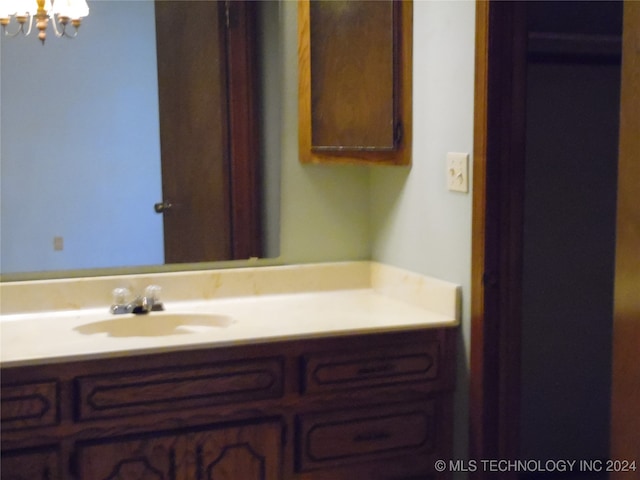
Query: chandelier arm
[[20, 29], [54, 22], [65, 32], [9, 34], [30, 22]]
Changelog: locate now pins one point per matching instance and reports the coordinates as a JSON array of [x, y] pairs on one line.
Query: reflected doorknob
[[162, 207]]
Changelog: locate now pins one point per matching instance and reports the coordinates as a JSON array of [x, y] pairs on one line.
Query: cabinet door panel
[[248, 452], [145, 458], [353, 94], [354, 85], [38, 465]]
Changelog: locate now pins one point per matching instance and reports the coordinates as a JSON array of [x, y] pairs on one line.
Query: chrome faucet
[[149, 302]]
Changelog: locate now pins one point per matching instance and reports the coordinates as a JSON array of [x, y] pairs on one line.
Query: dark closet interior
[[573, 87]]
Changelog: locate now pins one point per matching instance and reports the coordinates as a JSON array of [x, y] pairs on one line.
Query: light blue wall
[[80, 140], [322, 211], [417, 223]]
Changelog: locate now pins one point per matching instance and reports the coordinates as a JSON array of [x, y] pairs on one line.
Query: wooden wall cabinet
[[355, 68], [372, 407]]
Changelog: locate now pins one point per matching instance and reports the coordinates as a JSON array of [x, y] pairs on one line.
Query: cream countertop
[[242, 306]]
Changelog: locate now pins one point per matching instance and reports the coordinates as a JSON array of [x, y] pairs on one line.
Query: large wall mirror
[[82, 140]]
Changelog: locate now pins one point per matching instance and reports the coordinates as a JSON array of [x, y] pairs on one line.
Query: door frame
[[497, 243], [244, 133], [625, 388]]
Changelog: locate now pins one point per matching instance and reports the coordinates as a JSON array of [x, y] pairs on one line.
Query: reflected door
[[208, 130]]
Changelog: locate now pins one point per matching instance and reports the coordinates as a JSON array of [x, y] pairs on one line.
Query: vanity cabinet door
[[148, 457], [248, 452], [35, 465], [238, 452]]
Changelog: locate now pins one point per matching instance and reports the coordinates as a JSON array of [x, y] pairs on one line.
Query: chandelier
[[27, 12]]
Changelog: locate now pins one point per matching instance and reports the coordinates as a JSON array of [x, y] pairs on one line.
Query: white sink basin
[[156, 324]]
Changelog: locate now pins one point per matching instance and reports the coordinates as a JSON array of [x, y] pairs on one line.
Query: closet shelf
[[574, 44]]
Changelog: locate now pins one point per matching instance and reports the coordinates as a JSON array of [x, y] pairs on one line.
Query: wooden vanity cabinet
[[249, 452], [375, 407]]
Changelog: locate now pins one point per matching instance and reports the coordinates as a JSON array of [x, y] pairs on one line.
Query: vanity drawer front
[[29, 405], [388, 366], [149, 391], [338, 438]]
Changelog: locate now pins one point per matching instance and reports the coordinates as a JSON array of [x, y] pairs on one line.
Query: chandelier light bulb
[[73, 9], [28, 12]]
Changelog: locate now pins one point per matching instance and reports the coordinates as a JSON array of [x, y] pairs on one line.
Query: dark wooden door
[[208, 85], [192, 89], [249, 452], [149, 457]]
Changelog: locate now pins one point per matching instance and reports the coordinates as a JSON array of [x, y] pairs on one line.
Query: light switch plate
[[458, 172]]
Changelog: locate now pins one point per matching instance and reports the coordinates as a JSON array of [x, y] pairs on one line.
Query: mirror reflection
[[84, 142]]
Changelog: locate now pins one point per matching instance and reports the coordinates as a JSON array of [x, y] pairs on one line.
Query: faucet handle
[[120, 295], [152, 293], [120, 300]]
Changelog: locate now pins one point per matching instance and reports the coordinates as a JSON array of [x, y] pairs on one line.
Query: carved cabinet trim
[[219, 452], [359, 435], [327, 371], [29, 405], [145, 391]]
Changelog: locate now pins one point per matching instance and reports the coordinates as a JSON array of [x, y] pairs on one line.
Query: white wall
[[270, 68], [325, 209], [417, 223]]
